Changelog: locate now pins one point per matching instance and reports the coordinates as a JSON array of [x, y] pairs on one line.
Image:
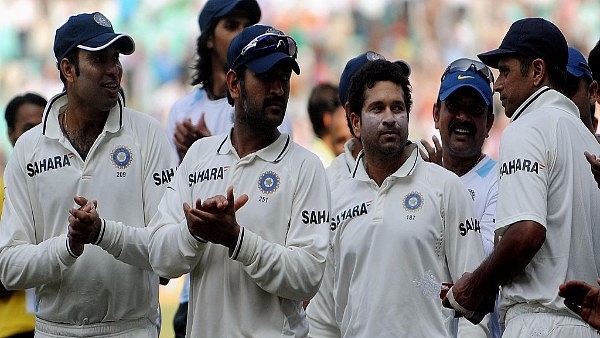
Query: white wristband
[[458, 307]]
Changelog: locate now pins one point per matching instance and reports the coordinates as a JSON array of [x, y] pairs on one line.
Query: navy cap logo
[[102, 20]]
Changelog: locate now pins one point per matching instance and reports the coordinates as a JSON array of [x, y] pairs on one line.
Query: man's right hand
[[434, 153], [186, 134]]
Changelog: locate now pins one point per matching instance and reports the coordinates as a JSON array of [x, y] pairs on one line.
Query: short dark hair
[[73, 57], [572, 84], [323, 100], [10, 114], [556, 74], [594, 61], [369, 75]]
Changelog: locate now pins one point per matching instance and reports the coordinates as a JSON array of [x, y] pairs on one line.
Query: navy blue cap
[[577, 65], [355, 64], [261, 60], [213, 10], [531, 37], [468, 78], [89, 31]]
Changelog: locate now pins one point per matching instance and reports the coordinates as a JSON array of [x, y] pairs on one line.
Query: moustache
[[467, 125]]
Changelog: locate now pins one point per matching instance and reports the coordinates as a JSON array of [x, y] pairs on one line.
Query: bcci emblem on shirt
[[121, 157], [268, 182], [413, 201]]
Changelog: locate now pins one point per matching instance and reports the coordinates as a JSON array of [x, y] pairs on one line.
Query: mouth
[[112, 86], [463, 129]]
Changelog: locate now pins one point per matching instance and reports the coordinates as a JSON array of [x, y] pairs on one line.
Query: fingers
[[202, 128], [435, 152]]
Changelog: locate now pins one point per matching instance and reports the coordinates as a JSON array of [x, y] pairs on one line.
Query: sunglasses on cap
[[464, 64], [270, 41]]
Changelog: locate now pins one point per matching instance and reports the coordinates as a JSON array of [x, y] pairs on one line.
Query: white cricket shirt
[[280, 257], [126, 171], [419, 225], [218, 114], [342, 166], [544, 177]]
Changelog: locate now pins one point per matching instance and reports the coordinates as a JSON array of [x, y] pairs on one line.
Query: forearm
[[26, 266], [518, 246], [127, 244], [292, 272]]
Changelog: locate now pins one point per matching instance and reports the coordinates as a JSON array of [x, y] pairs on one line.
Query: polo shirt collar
[[273, 153], [58, 103], [405, 170]]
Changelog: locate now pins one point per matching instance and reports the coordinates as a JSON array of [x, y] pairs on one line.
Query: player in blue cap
[[253, 259], [581, 87], [89, 145], [204, 111], [464, 116]]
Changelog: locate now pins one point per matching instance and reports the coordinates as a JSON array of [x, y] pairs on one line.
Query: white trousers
[[539, 322], [140, 328]]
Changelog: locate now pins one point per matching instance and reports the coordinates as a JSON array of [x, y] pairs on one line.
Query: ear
[[11, 135], [355, 122], [593, 92], [67, 69], [327, 117], [210, 42], [233, 82], [538, 72], [436, 114]]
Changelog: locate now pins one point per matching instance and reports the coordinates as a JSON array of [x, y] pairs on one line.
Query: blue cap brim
[[454, 81], [100, 42], [263, 63], [492, 57]]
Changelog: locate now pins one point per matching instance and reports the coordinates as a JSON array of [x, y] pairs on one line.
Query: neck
[[462, 165], [81, 128], [248, 140], [219, 84], [380, 167]]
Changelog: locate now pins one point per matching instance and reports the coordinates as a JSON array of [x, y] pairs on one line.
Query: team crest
[[268, 182], [121, 157], [413, 201], [102, 20]]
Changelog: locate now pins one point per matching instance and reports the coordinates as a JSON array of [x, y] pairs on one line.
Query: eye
[[451, 106], [398, 108]]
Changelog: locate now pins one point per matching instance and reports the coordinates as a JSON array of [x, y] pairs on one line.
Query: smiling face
[[382, 125], [96, 86], [463, 122]]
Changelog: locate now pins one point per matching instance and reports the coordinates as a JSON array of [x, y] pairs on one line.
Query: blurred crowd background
[[428, 34]]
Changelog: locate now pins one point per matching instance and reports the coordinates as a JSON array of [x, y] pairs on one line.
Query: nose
[[114, 67], [498, 85], [276, 87], [388, 117]]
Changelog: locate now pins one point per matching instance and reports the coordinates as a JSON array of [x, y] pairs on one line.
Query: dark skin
[[583, 299], [213, 219], [186, 132], [522, 240], [91, 95]]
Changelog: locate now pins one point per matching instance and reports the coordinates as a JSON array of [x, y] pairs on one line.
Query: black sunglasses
[[464, 64], [270, 41]]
